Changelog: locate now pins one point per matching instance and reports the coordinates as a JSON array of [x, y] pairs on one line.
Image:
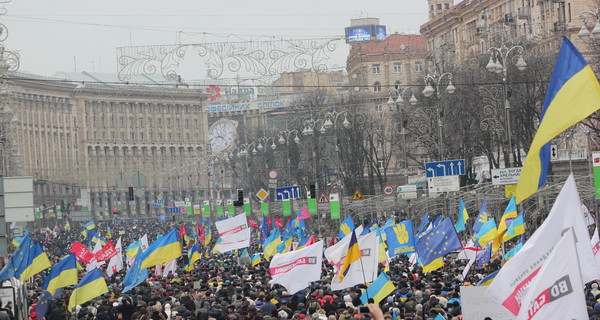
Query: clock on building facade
[[223, 135]]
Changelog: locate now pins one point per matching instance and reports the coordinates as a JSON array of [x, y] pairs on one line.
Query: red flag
[[202, 235], [332, 242], [269, 222], [278, 223], [107, 252], [252, 223], [310, 241], [81, 252], [198, 226], [182, 231], [303, 214]]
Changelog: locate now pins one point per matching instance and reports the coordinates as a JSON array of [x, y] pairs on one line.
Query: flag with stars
[[135, 275], [438, 242], [17, 258]]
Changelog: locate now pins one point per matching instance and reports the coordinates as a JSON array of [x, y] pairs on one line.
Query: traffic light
[[131, 195], [313, 191], [240, 200]]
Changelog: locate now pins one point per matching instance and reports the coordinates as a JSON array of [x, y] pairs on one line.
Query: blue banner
[[400, 238]]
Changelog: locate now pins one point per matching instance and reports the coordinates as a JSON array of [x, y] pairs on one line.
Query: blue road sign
[[174, 210], [445, 168], [289, 193], [160, 201]]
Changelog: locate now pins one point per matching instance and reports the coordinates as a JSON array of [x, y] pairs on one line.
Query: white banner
[[516, 275], [115, 264], [295, 270], [365, 269], [557, 291], [234, 233], [469, 251], [476, 304]]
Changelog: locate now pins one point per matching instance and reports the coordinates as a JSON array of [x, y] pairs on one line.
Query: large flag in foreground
[[234, 233], [35, 262], [16, 258], [359, 272], [557, 291], [516, 275], [91, 286], [296, 269], [165, 249], [436, 243], [573, 94]]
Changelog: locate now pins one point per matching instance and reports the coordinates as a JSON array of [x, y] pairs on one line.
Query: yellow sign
[[262, 194], [357, 195], [509, 190]]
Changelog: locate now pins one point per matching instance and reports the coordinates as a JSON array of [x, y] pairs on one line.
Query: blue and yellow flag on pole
[[510, 213], [35, 262], [63, 274], [165, 249], [463, 217], [91, 286], [346, 227], [16, 259], [573, 94], [352, 256], [487, 233], [436, 243], [378, 290], [90, 225], [400, 239], [482, 217], [516, 228]]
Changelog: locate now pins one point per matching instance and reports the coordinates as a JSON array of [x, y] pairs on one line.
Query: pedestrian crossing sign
[[357, 195], [323, 198]]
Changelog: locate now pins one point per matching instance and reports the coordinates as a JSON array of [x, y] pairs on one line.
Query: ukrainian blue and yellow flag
[[256, 259], [245, 253], [352, 255], [463, 217], [346, 227], [516, 228], [35, 262], [573, 94], [482, 217], [193, 256], [436, 243], [67, 226], [98, 238], [488, 280], [487, 233], [63, 274], [17, 241], [512, 252], [510, 213], [378, 290], [133, 248], [271, 243], [90, 225], [303, 242], [162, 250], [91, 286], [16, 259]]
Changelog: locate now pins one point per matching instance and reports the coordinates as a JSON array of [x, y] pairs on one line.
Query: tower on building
[[438, 6]]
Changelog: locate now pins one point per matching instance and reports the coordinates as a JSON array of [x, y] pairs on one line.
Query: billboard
[[365, 33], [358, 34], [18, 199]]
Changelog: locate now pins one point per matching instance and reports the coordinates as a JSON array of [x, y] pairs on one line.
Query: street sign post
[[408, 191], [445, 168], [323, 198], [357, 195], [444, 184], [287, 193], [388, 190], [262, 194], [504, 176]]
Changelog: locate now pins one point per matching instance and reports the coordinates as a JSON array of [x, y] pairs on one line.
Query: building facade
[[98, 137], [467, 29]]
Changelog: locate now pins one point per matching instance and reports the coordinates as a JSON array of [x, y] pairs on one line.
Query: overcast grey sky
[[49, 34]]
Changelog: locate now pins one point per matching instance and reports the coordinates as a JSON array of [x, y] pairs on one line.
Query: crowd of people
[[221, 286]]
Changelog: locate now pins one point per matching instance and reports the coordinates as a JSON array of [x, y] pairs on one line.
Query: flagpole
[[363, 274]]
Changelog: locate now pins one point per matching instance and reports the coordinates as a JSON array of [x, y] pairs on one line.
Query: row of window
[[140, 122], [140, 136], [396, 67]]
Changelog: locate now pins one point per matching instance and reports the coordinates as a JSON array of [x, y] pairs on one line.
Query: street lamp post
[[499, 59], [398, 103], [584, 33], [432, 85], [284, 138]]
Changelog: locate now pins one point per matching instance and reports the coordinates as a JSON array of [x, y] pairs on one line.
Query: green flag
[[247, 206], [219, 207], [334, 205], [312, 206], [264, 208], [206, 209], [286, 207], [230, 208]]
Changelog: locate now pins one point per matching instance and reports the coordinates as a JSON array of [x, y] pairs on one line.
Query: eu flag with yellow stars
[[438, 242]]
